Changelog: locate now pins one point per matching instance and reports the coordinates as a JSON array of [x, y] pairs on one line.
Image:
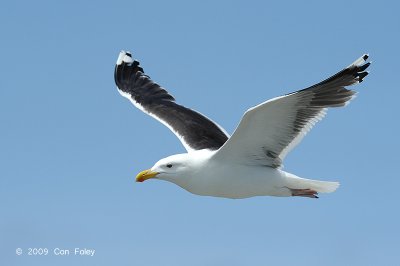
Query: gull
[[248, 163]]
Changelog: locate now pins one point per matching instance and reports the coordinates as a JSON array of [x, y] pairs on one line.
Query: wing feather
[[269, 131], [193, 129]]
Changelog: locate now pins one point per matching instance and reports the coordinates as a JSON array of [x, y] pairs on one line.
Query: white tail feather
[[323, 186], [296, 182]]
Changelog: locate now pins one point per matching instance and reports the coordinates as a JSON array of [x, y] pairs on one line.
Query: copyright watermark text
[[89, 252]]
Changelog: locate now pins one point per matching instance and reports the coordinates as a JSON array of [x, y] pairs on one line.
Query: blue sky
[[71, 145]]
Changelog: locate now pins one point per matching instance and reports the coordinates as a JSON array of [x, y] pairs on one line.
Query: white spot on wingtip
[[124, 57], [359, 61], [120, 57]]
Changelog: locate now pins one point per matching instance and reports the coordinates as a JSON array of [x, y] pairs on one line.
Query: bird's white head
[[172, 168], [177, 168]]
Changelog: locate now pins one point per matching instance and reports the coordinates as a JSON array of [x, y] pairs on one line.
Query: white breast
[[236, 181]]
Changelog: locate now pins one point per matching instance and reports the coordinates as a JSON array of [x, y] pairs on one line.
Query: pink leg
[[309, 193]]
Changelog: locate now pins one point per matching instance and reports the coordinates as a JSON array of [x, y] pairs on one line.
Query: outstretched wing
[[269, 131], [194, 130]]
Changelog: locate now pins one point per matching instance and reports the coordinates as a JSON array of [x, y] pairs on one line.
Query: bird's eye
[[169, 165]]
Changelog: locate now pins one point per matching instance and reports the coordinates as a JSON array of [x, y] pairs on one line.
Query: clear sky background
[[71, 146]]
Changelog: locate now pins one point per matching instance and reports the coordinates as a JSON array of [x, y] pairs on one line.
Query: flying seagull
[[248, 163]]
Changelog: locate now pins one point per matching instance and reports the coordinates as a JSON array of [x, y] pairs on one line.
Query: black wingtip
[[358, 68], [362, 75], [364, 67], [125, 67]]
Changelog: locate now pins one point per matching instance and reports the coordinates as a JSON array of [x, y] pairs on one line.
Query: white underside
[[245, 182], [224, 179]]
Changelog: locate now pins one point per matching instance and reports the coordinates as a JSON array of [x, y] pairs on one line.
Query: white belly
[[238, 181]]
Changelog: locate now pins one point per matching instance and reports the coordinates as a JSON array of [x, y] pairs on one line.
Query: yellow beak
[[146, 174]]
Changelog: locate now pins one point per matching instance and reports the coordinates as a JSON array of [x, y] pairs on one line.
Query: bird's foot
[[309, 193]]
